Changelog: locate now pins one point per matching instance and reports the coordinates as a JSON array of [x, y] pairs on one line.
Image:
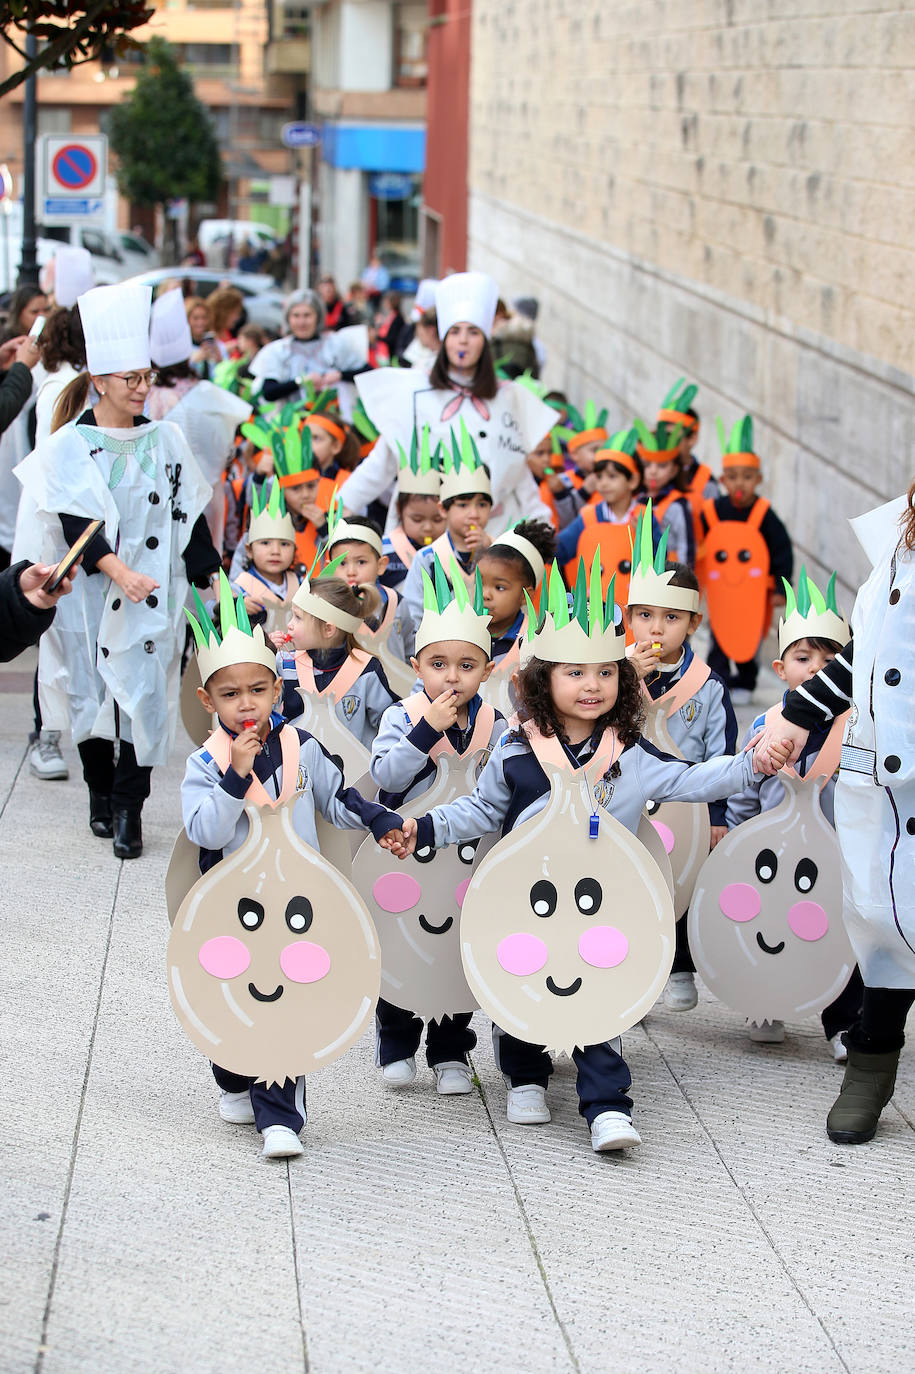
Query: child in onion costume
[[429, 748], [688, 714], [567, 790], [245, 986], [768, 912], [422, 519], [268, 583]]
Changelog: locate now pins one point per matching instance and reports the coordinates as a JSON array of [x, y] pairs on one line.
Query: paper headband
[[418, 473], [237, 643], [620, 448], [737, 448], [810, 615], [341, 531], [676, 404], [591, 631], [512, 540], [649, 584], [269, 517], [463, 473], [448, 611], [308, 598]]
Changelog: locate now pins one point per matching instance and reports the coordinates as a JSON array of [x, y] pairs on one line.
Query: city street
[[142, 1235]]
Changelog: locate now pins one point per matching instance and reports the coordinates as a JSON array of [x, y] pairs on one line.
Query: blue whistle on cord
[[593, 826]]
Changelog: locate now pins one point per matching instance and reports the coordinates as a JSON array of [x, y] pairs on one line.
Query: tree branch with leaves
[[67, 34]]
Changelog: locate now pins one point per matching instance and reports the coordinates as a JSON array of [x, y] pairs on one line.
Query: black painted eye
[[425, 855], [543, 898], [805, 875], [766, 865], [467, 851], [652, 808], [588, 896], [299, 915], [250, 913], [625, 567], [721, 556], [744, 556]]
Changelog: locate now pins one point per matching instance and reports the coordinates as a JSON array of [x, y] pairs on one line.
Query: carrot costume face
[[736, 561]]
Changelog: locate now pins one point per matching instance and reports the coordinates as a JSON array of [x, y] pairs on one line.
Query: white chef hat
[[468, 297], [425, 298], [115, 322], [72, 274], [169, 332]]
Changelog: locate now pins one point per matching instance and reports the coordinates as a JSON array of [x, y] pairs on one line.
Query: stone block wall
[[721, 189]]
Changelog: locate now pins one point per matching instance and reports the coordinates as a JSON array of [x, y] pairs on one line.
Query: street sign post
[[300, 135], [73, 170]]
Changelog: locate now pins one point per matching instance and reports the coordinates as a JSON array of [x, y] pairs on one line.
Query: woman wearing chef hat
[[111, 665], [505, 419], [874, 805]]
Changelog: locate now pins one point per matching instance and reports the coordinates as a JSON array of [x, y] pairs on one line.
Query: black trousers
[[36, 707], [603, 1082], [274, 1106], [846, 1009], [125, 782], [881, 1027], [399, 1033], [683, 960], [745, 674]]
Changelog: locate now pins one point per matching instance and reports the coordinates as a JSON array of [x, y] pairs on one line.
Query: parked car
[[219, 237], [263, 302], [108, 262], [402, 262], [136, 252]]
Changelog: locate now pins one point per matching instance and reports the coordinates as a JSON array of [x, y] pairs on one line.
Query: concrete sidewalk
[[417, 1233]]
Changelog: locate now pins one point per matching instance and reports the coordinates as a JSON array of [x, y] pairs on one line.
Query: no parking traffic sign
[[73, 171]]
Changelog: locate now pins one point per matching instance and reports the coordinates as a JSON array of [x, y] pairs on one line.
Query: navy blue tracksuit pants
[[604, 1079], [274, 1106], [399, 1032]]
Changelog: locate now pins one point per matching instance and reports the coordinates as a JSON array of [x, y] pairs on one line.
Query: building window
[[54, 119], [209, 59], [411, 27]]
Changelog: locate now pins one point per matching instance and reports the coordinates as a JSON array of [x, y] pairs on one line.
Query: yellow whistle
[[428, 539], [656, 647]]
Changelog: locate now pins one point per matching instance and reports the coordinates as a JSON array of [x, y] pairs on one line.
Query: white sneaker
[[527, 1105], [236, 1107], [400, 1074], [681, 993], [281, 1143], [839, 1048], [741, 696], [613, 1131], [453, 1078], [45, 758], [767, 1032]]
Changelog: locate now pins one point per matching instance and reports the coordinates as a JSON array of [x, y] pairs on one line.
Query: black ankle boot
[[128, 833], [100, 815]]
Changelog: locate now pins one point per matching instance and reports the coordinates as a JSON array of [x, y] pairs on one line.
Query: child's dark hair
[[536, 532], [405, 497], [817, 643], [464, 495], [361, 522], [61, 340], [175, 372], [683, 576], [484, 385], [363, 600], [537, 704]]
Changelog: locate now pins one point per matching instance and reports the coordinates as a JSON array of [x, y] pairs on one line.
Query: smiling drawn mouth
[[436, 930], [563, 992], [266, 996], [769, 949]]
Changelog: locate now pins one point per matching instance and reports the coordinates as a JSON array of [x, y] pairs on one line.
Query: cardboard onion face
[[416, 906], [319, 717], [736, 563], [765, 924], [567, 940], [273, 961], [683, 827]]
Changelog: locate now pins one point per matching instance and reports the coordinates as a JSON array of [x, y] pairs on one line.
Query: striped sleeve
[[825, 696]]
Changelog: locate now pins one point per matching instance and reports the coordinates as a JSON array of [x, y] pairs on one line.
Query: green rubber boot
[[866, 1089]]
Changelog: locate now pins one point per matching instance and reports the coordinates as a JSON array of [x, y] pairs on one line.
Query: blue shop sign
[[390, 185]]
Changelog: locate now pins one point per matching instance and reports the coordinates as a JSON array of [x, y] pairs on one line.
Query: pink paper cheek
[[808, 920], [521, 954], [460, 892], [224, 956], [304, 962], [603, 946], [666, 834], [396, 891], [740, 902]]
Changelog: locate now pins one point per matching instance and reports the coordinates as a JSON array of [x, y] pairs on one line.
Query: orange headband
[[587, 436], [653, 455], [678, 417], [295, 479], [739, 460], [323, 422], [623, 460]]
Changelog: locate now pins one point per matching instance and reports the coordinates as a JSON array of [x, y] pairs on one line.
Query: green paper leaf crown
[[809, 597], [438, 593], [232, 616], [664, 439], [623, 441], [273, 503], [644, 555], [363, 424], [421, 459], [680, 397], [463, 454], [290, 445], [593, 612], [740, 439]]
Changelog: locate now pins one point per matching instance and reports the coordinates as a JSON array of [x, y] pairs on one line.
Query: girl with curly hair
[[576, 703]]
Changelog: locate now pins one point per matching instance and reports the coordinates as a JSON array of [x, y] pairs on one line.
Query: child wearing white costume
[[111, 665], [575, 684], [505, 419]]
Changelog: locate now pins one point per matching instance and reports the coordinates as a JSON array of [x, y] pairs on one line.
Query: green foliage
[[68, 34], [162, 135]]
